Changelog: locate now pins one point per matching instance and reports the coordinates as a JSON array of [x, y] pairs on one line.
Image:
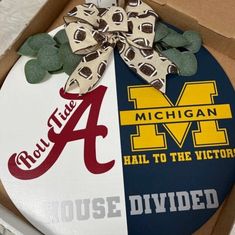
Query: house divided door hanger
[[123, 158]]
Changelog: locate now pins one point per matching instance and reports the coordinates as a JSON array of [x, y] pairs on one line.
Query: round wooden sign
[[122, 159]]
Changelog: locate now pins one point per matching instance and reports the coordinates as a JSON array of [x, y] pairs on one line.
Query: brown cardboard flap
[[209, 14], [212, 20]]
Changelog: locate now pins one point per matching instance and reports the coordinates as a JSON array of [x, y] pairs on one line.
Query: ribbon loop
[[81, 38], [87, 13], [113, 19], [96, 31]]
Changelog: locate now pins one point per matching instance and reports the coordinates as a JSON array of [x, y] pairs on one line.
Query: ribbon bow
[[96, 31]]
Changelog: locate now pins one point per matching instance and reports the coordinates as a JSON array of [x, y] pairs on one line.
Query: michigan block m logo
[[195, 104]]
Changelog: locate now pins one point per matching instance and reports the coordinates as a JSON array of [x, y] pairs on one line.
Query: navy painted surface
[[216, 174]]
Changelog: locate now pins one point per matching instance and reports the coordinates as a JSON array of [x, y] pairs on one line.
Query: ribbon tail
[[148, 64], [88, 72]]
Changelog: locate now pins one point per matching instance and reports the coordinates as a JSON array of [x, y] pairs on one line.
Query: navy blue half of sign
[[218, 174]]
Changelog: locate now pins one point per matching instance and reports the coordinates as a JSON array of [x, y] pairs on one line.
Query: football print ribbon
[[96, 31]]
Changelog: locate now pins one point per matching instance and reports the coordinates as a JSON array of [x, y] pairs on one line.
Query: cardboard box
[[203, 16]]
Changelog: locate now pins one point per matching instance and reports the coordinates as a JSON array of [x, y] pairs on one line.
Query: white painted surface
[[68, 180], [14, 17]]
